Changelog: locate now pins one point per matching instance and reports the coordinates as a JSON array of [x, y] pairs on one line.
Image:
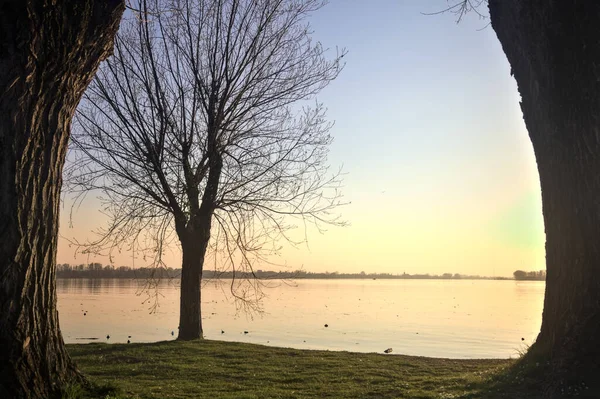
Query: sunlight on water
[[438, 318]]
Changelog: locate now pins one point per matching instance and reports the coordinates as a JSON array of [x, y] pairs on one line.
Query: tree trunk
[[49, 51], [193, 248], [194, 238], [554, 50]]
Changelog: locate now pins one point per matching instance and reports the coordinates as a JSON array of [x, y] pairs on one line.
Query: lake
[[436, 318]]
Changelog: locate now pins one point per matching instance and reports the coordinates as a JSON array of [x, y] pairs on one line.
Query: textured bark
[[49, 51], [554, 50], [193, 247]]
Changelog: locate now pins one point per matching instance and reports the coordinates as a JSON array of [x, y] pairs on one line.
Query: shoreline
[[58, 277], [101, 341], [210, 368]]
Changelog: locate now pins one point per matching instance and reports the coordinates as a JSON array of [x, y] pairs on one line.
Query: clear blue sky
[[439, 168]]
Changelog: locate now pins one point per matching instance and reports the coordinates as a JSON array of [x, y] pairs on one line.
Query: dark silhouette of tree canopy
[[553, 50], [193, 130], [49, 51]]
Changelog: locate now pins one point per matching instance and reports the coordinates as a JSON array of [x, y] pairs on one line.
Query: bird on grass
[[388, 350]]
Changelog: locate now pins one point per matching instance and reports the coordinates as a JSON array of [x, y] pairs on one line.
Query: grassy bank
[[214, 369]]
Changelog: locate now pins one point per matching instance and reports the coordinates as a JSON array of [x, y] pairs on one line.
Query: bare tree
[[199, 123], [49, 51]]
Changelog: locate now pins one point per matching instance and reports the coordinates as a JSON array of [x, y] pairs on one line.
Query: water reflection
[[443, 318]]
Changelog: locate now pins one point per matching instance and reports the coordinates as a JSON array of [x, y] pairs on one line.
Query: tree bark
[[553, 48], [193, 248], [49, 51]]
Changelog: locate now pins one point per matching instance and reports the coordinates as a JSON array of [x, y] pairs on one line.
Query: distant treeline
[[97, 270], [522, 275]]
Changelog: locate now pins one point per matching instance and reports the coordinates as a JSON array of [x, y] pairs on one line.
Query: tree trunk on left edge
[[553, 47], [49, 52]]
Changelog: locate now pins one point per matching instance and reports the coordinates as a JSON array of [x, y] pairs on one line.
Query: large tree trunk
[[193, 248], [49, 51], [554, 50]]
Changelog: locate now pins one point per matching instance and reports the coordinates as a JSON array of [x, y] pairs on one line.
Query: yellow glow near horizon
[[387, 239]]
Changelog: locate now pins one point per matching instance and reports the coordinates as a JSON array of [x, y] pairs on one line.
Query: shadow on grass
[[520, 380], [533, 377]]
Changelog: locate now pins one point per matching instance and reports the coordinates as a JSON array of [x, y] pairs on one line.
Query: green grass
[[214, 369]]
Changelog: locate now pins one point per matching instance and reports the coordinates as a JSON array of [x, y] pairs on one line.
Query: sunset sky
[[439, 171]]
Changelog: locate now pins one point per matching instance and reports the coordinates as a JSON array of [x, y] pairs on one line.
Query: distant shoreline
[[164, 277], [306, 278], [97, 270]]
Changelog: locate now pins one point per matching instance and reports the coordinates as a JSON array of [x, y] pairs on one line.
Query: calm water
[[439, 318]]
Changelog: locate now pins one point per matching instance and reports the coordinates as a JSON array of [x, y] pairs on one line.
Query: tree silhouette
[[192, 130]]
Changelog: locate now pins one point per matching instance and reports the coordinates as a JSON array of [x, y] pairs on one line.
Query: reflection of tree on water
[[97, 286]]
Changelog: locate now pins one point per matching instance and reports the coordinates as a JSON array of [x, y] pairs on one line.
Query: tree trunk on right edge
[[553, 48]]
